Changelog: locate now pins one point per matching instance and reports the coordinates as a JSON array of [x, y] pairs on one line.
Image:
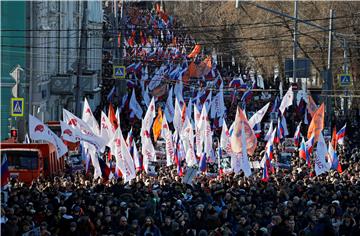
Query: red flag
[[112, 117], [333, 138]]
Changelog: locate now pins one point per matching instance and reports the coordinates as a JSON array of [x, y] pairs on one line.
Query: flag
[[157, 124], [147, 150], [297, 135], [187, 138], [269, 132], [137, 158], [259, 115], [317, 123], [311, 106], [240, 120], [265, 175], [275, 106], [225, 143], [129, 141], [91, 152], [5, 173], [169, 145], [333, 157], [284, 126], [203, 163], [89, 119], [177, 117], [244, 163], [340, 135], [269, 155], [321, 151], [195, 51], [135, 106], [279, 132], [197, 120], [287, 100], [237, 82], [306, 121], [39, 131], [169, 106], [112, 117], [149, 116], [177, 158], [117, 116], [189, 108], [145, 95], [304, 153], [107, 131], [68, 133], [310, 144], [105, 170], [334, 138], [111, 94]]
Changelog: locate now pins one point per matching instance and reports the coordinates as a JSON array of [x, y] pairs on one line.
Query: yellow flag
[[157, 124]]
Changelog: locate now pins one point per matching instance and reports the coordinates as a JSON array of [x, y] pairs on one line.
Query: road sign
[[17, 106], [119, 72], [345, 79]]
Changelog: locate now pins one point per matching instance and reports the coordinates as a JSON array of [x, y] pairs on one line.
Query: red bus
[[30, 161]]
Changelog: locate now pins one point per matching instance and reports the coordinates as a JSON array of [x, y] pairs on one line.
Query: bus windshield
[[22, 160]]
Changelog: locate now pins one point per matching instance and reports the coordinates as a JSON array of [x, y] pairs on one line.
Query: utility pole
[[328, 77], [295, 40], [81, 57], [346, 71]]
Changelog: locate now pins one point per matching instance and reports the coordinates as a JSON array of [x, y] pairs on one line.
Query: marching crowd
[[292, 202]]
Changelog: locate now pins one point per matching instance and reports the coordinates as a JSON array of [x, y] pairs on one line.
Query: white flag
[[148, 152], [197, 117], [169, 145], [68, 133], [225, 143], [178, 91], [107, 131], [135, 106], [258, 116], [207, 102], [145, 94], [287, 100], [268, 134], [169, 107], [189, 109], [39, 131], [89, 118], [177, 116], [187, 138], [136, 157], [149, 116], [91, 151], [86, 132], [321, 166], [244, 163]]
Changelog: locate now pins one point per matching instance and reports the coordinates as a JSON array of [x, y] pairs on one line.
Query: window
[[27, 160]]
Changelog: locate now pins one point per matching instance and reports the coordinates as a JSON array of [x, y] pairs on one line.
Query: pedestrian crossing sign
[[119, 72], [17, 106], [345, 79]]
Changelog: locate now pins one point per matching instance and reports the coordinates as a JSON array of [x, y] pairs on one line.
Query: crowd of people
[[292, 202]]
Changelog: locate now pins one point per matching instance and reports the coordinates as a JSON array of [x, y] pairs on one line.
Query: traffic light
[[13, 133]]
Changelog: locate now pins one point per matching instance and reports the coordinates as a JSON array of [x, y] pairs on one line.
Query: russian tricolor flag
[[5, 174], [297, 135], [303, 152], [310, 144], [202, 164], [265, 176], [340, 135]]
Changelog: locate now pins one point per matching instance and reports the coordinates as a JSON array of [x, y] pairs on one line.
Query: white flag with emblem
[[39, 131], [287, 100]]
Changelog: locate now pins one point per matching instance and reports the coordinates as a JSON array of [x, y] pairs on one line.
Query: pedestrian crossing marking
[[17, 106]]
